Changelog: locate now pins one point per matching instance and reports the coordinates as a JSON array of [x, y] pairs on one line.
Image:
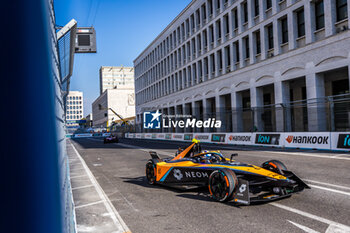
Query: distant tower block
[[85, 41]]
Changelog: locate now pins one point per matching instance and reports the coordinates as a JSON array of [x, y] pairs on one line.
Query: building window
[[301, 23], [342, 9], [235, 19], [268, 4], [319, 14], [245, 12], [210, 5], [258, 42], [227, 25], [284, 26], [227, 57], [256, 8], [236, 46], [246, 43], [218, 5], [218, 29], [270, 36]]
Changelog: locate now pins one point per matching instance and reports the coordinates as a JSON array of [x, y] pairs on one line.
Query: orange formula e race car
[[226, 178]]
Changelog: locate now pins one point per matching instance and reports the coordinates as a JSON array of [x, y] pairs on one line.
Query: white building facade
[[75, 107], [113, 77], [121, 101], [265, 65]]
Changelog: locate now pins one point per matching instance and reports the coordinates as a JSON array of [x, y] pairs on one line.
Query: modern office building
[[113, 77], [257, 65], [75, 107]]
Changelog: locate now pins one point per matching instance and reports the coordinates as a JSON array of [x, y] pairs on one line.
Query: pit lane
[[119, 170]]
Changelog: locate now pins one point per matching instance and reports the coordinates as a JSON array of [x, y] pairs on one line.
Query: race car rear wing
[[154, 155]]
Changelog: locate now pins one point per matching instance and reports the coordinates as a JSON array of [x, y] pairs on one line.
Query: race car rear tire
[[151, 174], [275, 166], [222, 184]]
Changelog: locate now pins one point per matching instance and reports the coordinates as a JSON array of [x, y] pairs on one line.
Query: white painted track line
[[327, 184], [344, 228], [118, 221], [329, 189], [304, 228], [308, 155]]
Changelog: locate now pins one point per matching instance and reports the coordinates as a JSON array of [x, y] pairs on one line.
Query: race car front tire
[[222, 184], [275, 166]]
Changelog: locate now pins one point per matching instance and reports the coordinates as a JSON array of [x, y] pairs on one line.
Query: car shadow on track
[[142, 181], [189, 192]]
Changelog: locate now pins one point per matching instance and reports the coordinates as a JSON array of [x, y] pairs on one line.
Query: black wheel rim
[[218, 186], [150, 173]]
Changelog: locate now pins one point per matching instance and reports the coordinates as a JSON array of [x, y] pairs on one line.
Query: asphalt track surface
[[119, 168]]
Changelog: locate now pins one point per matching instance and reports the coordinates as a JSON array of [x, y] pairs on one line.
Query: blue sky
[[124, 28]]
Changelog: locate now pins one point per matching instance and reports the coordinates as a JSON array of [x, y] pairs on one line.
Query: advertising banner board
[[239, 138], [307, 140], [83, 135], [340, 141], [202, 137], [178, 137], [218, 137], [270, 139]]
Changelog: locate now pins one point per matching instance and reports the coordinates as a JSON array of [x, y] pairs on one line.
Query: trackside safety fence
[[303, 140]]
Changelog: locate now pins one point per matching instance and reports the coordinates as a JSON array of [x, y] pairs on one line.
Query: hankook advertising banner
[[307, 140], [239, 138], [178, 136], [203, 137]]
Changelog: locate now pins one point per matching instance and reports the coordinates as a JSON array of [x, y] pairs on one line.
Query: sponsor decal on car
[[218, 137], [267, 139], [343, 141], [178, 174]]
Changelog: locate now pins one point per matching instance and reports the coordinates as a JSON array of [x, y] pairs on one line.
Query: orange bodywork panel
[[183, 153]]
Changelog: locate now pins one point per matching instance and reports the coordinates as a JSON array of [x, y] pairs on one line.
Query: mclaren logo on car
[[242, 188], [177, 174]]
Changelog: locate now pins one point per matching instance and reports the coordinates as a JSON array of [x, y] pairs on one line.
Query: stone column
[[240, 19], [256, 100], [250, 13], [282, 100], [329, 17], [220, 105], [261, 10], [310, 24], [292, 31], [252, 48], [277, 37], [236, 103], [204, 115], [264, 42], [241, 53], [315, 92]]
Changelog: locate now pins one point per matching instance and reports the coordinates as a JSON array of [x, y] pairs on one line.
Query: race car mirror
[[233, 155]]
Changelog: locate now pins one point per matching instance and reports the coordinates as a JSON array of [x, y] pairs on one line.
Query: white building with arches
[[265, 65]]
